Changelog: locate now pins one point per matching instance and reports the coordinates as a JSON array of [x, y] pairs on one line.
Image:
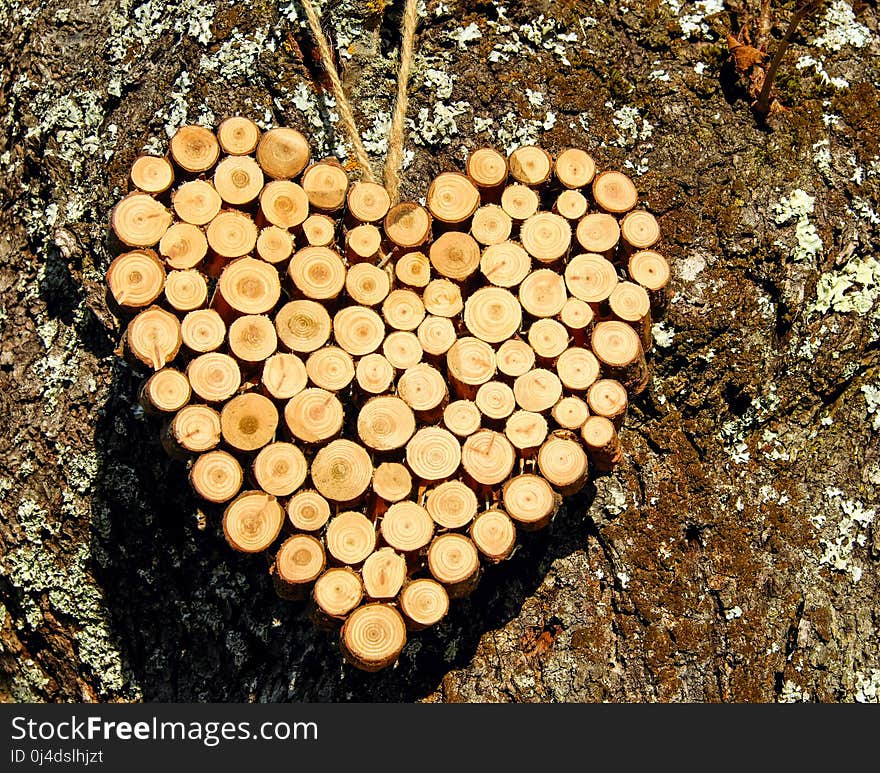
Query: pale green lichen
[[841, 28], [855, 288], [872, 404], [631, 126], [694, 17], [867, 686], [842, 526], [799, 205]]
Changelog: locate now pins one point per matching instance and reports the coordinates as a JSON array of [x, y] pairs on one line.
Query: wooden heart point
[[383, 397]]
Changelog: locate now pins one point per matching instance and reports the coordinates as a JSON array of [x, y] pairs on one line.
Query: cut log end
[[252, 522], [373, 637]]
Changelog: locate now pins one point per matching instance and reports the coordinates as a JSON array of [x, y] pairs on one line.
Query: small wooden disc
[[358, 330], [408, 224], [283, 153], [590, 277], [284, 375], [548, 338], [577, 314], [433, 454], [373, 636], [139, 220], [443, 298], [575, 168], [183, 246], [616, 344], [196, 428], [436, 335], [342, 471], [640, 229], [492, 314], [572, 205], [487, 168], [403, 310], [515, 358], [303, 326], [384, 572], [194, 148], [392, 482], [494, 535], [455, 255], [598, 232], [374, 374], [526, 430], [471, 361], [330, 368], [630, 302], [366, 284], [232, 234], [252, 521], [519, 201], [649, 269], [546, 237], [385, 423], [452, 505], [166, 391], [505, 264], [300, 560], [542, 293], [350, 537], [407, 527], [422, 387], [452, 197], [571, 413], [338, 591], [284, 203], [249, 421], [216, 476], [280, 469], [186, 290], [214, 377], [598, 433], [274, 244], [152, 174], [368, 202], [538, 390], [530, 501], [578, 368], [563, 462], [491, 225], [424, 602], [307, 510], [317, 272], [196, 202], [413, 269], [495, 400], [462, 417], [615, 192], [487, 457], [314, 415], [608, 398], [153, 336], [136, 278], [326, 185], [530, 165], [238, 180], [453, 560], [238, 136], [319, 230], [250, 286]]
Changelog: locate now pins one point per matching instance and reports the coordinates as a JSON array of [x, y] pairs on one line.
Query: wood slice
[[519, 202], [590, 277], [491, 225], [572, 205], [216, 476], [443, 298], [152, 174], [183, 246], [487, 169], [563, 463], [232, 234], [186, 290], [602, 442], [249, 286], [494, 535], [495, 400], [546, 237], [238, 180], [487, 457], [392, 482], [413, 269], [407, 527], [153, 337], [374, 374], [139, 220], [196, 202], [651, 270], [571, 413], [452, 197], [574, 168], [548, 338], [326, 185], [366, 284], [307, 510], [423, 388], [462, 417], [248, 422], [384, 573], [303, 326], [284, 203], [362, 243], [385, 423], [615, 192], [526, 431], [238, 136], [617, 346], [274, 245], [358, 330], [451, 505], [319, 230], [252, 522], [453, 561], [530, 165], [373, 636], [350, 538], [337, 592], [194, 148], [330, 368], [214, 377], [196, 428], [598, 232], [505, 264], [314, 415], [639, 230], [298, 563], [280, 469], [433, 454], [368, 202], [577, 316], [403, 310], [470, 362], [283, 153], [284, 375], [317, 272], [436, 335], [136, 278], [166, 391], [631, 303], [515, 358], [492, 314], [542, 293], [530, 501], [402, 349], [608, 398], [342, 471], [577, 368], [423, 603], [455, 255], [408, 224], [538, 390]]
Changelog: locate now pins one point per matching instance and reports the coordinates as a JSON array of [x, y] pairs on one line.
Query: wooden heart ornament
[[382, 396]]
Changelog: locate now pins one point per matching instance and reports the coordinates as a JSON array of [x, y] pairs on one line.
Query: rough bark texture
[[734, 553]]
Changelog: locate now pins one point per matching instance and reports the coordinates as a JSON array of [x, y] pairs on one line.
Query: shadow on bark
[[197, 622]]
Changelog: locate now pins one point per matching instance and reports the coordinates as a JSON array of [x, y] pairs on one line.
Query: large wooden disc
[[385, 423], [546, 236], [424, 602], [326, 185], [455, 255], [530, 165], [590, 277], [366, 284], [598, 232], [280, 469], [140, 221], [452, 198], [538, 390], [153, 337], [183, 246], [650, 269], [615, 343], [238, 135], [494, 535], [351, 537], [338, 591], [530, 501], [196, 202], [314, 415], [358, 330], [505, 264], [630, 302], [492, 314], [303, 326], [330, 368], [433, 453], [317, 272], [487, 457], [542, 293], [284, 203], [152, 174], [408, 224], [283, 153], [214, 376], [307, 510], [216, 476], [615, 192], [577, 368], [252, 521], [392, 482], [250, 286], [232, 234], [574, 168], [471, 361], [300, 560], [443, 298], [383, 573], [342, 471], [487, 168], [194, 148], [238, 180], [136, 278], [249, 421], [373, 636], [196, 428], [640, 229], [452, 505], [462, 417], [563, 462], [284, 375], [407, 527]]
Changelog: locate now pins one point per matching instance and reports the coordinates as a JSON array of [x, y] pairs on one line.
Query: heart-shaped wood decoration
[[382, 396]]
